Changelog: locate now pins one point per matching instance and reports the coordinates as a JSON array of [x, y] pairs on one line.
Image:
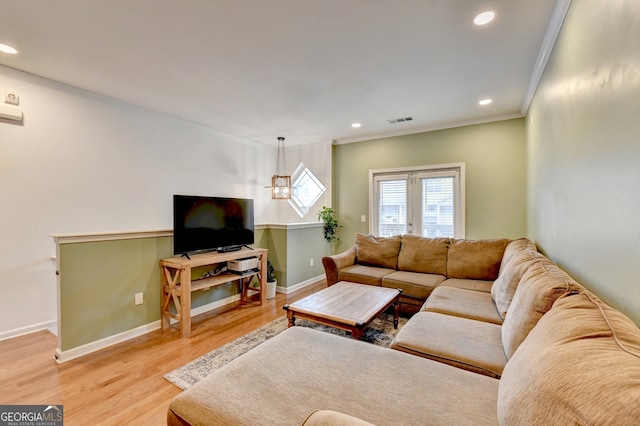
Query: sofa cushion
[[362, 380], [540, 286], [579, 365], [504, 287], [426, 255], [515, 247], [378, 251], [333, 418], [477, 260], [477, 285], [459, 302], [462, 342], [413, 284], [364, 274]]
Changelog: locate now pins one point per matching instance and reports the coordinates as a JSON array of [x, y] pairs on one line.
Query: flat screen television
[[211, 223]]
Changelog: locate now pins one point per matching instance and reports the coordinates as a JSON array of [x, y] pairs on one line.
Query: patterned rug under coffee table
[[380, 332]]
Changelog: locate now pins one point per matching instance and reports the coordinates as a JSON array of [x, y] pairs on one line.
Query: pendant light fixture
[[281, 182]]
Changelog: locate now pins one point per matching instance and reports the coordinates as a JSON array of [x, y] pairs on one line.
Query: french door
[[426, 201]]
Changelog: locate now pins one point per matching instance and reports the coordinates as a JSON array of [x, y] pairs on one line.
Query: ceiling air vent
[[400, 120]]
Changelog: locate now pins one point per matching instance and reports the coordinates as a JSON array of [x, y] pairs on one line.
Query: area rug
[[381, 333]]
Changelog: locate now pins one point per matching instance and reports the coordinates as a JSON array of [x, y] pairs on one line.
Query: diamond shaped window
[[306, 190]]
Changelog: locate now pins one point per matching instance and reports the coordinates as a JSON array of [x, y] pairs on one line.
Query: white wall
[[317, 157], [85, 163], [583, 151]]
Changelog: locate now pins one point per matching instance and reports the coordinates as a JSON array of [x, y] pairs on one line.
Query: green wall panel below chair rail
[[99, 279]]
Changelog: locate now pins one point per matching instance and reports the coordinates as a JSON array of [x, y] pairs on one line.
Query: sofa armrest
[[333, 264]]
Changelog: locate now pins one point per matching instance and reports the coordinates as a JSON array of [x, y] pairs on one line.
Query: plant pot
[[271, 289]]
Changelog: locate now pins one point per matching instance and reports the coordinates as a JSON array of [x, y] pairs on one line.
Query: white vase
[[271, 289]]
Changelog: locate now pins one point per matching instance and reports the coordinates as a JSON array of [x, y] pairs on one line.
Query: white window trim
[[296, 174], [460, 231]]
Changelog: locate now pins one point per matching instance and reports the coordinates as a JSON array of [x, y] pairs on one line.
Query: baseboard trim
[[300, 285], [64, 356], [86, 349], [10, 334]]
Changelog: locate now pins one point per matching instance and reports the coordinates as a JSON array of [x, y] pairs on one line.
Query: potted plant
[[328, 216], [272, 282]]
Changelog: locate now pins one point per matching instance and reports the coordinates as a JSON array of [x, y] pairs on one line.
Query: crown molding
[[424, 129], [550, 37]]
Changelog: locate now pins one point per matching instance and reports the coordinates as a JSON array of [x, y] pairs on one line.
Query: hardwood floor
[[124, 384]]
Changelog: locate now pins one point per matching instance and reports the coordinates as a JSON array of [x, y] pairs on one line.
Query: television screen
[[211, 223]]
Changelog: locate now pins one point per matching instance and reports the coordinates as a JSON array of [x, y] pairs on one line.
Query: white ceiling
[[302, 69]]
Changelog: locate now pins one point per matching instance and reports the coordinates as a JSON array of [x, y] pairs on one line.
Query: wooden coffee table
[[347, 306]]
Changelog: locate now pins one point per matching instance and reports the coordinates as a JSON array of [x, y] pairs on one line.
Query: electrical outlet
[[311, 262], [139, 299], [11, 97], [363, 218]]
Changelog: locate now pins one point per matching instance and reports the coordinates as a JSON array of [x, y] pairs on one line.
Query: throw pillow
[[514, 248], [425, 255], [475, 260], [378, 251], [504, 287], [540, 286]]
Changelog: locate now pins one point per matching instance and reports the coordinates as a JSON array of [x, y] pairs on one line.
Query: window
[[305, 191], [426, 201]]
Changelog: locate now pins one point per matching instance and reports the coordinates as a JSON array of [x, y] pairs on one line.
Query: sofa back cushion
[[518, 255], [513, 249], [425, 255], [540, 286], [579, 365], [378, 251], [476, 260]]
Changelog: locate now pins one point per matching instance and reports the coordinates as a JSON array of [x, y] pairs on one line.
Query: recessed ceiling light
[[356, 125], [10, 50], [485, 101], [484, 18]]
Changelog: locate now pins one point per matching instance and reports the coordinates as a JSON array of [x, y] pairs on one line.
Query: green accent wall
[[99, 279], [494, 157], [290, 249], [303, 244], [98, 283], [584, 154]]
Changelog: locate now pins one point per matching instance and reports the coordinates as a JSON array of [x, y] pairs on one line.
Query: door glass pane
[[392, 207], [437, 207]]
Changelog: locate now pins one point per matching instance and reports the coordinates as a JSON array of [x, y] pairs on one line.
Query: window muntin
[[306, 190], [426, 201]]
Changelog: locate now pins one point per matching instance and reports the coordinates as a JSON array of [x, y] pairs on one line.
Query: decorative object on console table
[[272, 282], [328, 216]]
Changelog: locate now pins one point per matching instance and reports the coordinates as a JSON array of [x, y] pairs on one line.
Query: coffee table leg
[[292, 318], [396, 309], [357, 331]]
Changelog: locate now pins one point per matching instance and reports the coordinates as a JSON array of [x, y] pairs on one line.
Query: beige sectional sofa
[[531, 347], [417, 265]]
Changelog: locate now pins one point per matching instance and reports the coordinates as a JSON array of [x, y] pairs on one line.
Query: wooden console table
[[177, 284]]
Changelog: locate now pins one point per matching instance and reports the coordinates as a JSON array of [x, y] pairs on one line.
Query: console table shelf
[[177, 284]]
